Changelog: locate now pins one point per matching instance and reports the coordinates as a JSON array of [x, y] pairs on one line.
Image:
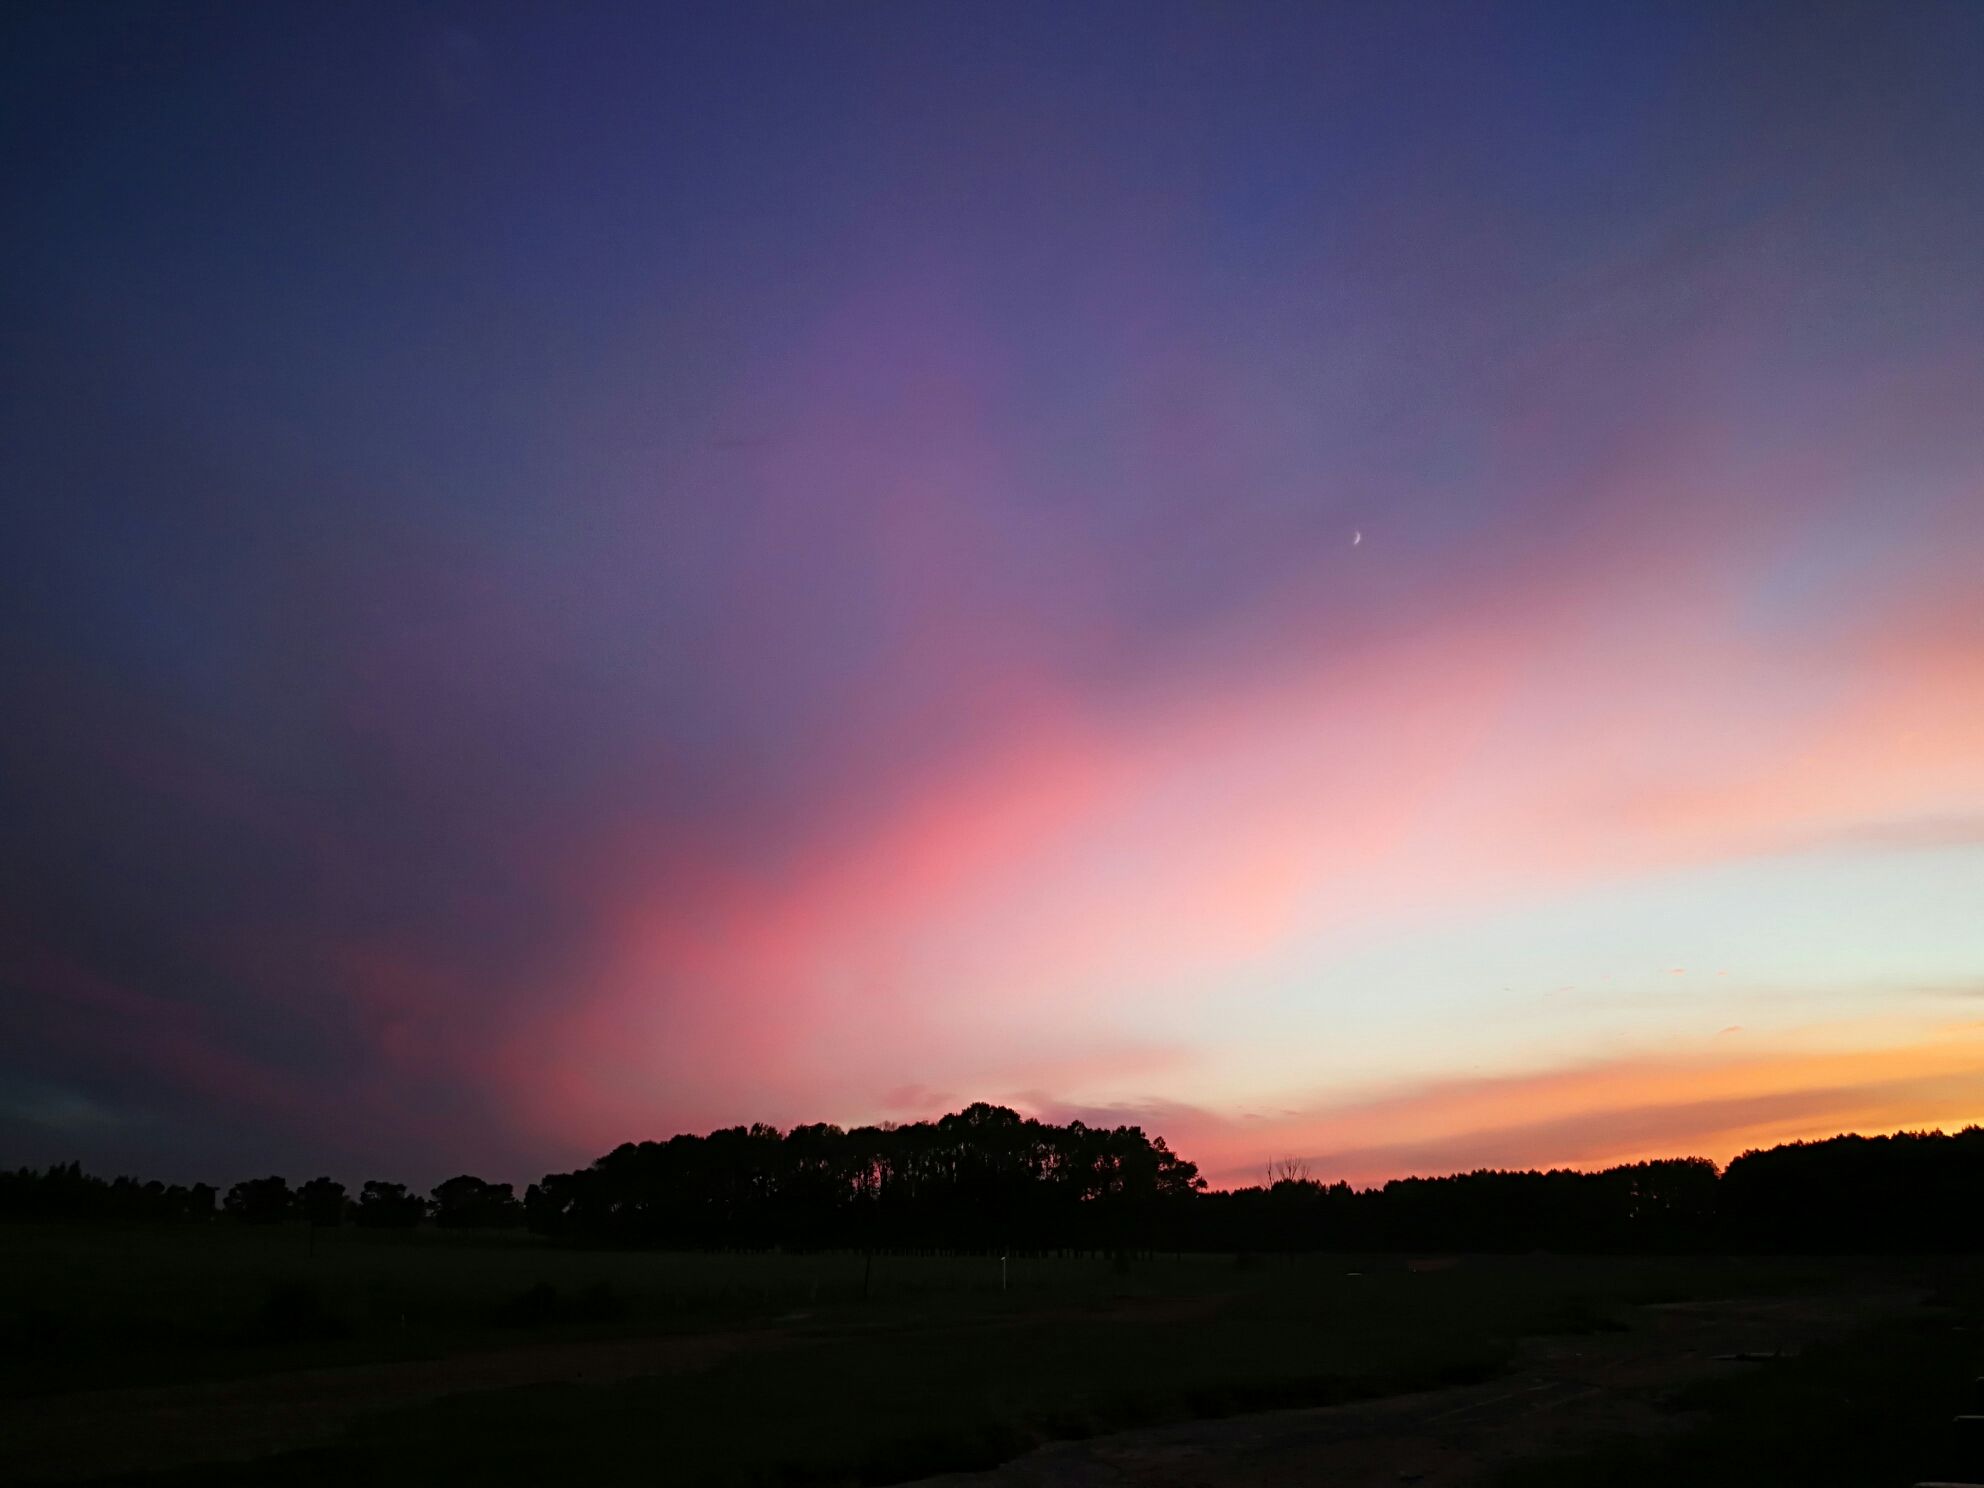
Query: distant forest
[[986, 1179]]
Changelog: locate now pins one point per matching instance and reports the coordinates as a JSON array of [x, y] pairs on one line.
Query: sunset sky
[[1399, 585]]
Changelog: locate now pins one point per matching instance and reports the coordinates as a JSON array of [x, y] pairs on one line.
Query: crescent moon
[[1356, 538]]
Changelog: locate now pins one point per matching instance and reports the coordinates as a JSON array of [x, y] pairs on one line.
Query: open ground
[[221, 1354]]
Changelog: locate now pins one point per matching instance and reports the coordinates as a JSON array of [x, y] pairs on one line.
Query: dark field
[[430, 1357]]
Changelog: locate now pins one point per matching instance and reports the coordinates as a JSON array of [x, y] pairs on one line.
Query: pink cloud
[[1075, 861], [1041, 887]]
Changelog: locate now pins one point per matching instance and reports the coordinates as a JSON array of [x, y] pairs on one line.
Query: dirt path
[[98, 1433], [1563, 1393]]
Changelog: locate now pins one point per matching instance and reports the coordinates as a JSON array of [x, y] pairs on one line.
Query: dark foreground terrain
[[235, 1356]]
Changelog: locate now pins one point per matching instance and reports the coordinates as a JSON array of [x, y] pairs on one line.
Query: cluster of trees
[[986, 1178], [1913, 1191], [1665, 1205], [1916, 1191], [66, 1192]]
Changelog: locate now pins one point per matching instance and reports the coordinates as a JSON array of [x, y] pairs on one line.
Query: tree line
[[984, 1178], [66, 1192], [1914, 1191], [987, 1179]]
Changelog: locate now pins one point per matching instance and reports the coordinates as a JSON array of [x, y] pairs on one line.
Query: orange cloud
[[1697, 1103]]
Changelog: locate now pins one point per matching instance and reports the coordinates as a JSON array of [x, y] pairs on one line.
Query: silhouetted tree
[[388, 1206], [322, 1202], [1911, 1191], [1287, 1170], [469, 1203], [259, 1200], [65, 1191], [984, 1178]]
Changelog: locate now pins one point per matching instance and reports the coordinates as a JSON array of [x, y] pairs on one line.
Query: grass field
[[768, 1369], [86, 1307]]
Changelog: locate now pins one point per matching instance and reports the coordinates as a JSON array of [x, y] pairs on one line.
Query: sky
[[1394, 586]]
